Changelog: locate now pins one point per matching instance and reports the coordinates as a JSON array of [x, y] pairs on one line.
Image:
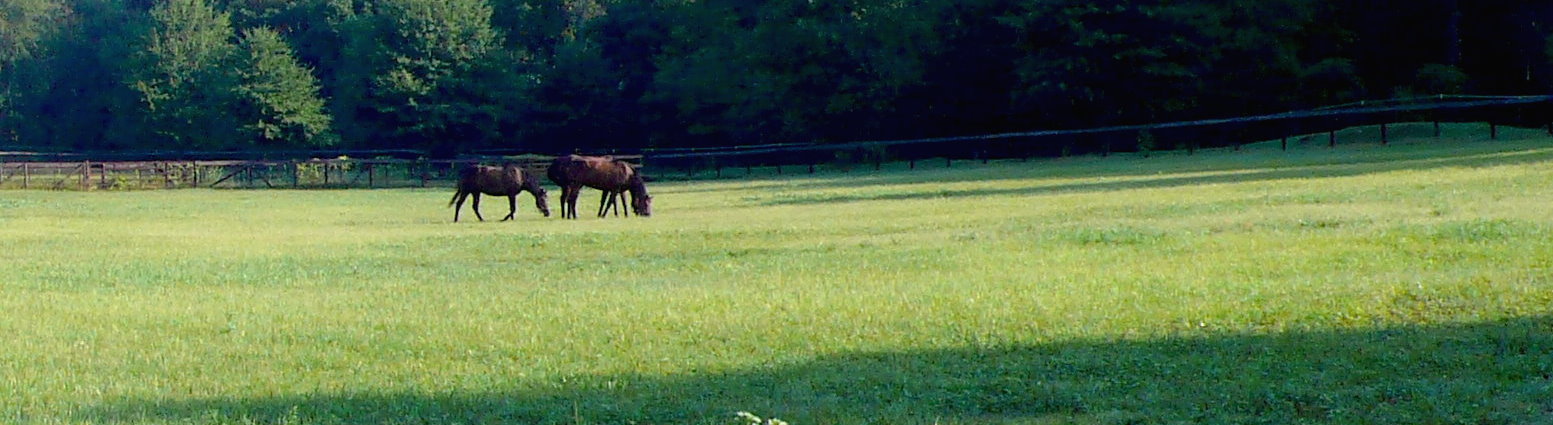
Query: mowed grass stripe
[[1399, 284]]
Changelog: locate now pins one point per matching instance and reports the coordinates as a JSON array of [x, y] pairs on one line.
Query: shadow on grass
[[1347, 168], [1493, 372]]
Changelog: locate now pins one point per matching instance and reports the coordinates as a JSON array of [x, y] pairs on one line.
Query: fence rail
[[1531, 111], [409, 168], [254, 174]]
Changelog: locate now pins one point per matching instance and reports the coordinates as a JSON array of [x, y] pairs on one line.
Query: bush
[[1439, 79], [1146, 143], [1331, 81]]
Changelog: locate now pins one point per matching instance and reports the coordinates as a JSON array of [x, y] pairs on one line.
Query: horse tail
[[466, 176]]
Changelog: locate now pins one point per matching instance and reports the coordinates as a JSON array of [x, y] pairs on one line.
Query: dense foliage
[[558, 75]]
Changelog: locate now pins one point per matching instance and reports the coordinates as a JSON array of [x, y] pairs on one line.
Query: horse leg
[[512, 207], [576, 193], [569, 203], [476, 207], [604, 195], [561, 198], [566, 193], [459, 204], [619, 207]]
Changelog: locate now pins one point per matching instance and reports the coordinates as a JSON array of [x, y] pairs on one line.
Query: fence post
[[86, 174], [370, 182], [1283, 143], [779, 169], [296, 174], [1493, 131], [1436, 128], [425, 172], [1383, 134], [1332, 139], [26, 175]]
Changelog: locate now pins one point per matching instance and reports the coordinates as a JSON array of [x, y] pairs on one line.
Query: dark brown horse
[[507, 180], [572, 172], [607, 201]]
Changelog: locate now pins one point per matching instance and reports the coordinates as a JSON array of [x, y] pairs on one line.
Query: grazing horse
[[607, 200], [612, 176], [506, 180]]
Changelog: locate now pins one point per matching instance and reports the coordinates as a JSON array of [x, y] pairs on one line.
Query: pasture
[[1410, 283]]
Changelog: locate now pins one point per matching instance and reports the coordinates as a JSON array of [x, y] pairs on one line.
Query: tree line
[[450, 76]]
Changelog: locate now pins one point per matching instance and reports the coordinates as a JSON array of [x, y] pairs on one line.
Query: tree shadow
[[1489, 372], [1241, 175]]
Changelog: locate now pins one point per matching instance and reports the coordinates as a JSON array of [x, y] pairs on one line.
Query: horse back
[[599, 172], [495, 181]]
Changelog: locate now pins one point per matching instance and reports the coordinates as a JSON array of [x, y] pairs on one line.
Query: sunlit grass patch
[[1362, 284]]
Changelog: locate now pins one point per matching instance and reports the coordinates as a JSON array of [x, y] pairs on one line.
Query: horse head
[[542, 201], [642, 205]]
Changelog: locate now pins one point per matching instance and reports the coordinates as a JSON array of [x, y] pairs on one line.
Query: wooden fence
[[1525, 111], [391, 168], [246, 174]]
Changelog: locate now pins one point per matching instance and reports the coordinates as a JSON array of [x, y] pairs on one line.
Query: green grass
[[1408, 284]]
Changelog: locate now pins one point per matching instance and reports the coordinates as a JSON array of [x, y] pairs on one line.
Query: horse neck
[[637, 187], [530, 185]]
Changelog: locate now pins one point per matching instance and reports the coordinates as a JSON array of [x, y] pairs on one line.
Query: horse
[[607, 199], [507, 180], [572, 172]]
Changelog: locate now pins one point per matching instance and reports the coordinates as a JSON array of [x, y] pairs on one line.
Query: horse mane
[[530, 182], [637, 185]]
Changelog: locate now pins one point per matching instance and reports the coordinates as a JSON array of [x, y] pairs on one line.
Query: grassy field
[[1410, 283]]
